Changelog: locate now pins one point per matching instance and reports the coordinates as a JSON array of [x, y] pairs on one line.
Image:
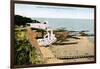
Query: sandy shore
[[70, 50], [80, 49]]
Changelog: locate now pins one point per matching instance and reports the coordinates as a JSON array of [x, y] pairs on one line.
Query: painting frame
[[51, 4]]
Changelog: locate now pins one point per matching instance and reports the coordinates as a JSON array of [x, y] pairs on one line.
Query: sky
[[42, 11]]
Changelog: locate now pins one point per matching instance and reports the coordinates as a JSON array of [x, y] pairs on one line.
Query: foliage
[[24, 53], [20, 20]]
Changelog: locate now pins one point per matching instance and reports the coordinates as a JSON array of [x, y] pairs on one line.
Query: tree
[[20, 20]]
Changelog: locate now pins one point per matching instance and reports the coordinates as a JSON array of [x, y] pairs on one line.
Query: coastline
[[82, 51]]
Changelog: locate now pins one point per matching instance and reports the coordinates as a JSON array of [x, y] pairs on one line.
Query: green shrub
[[24, 53]]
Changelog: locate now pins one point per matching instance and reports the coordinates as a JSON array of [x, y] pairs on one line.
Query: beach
[[75, 50], [70, 50]]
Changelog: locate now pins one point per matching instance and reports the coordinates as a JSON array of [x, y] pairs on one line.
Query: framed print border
[[12, 56]]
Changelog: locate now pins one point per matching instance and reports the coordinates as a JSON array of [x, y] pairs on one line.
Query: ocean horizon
[[69, 24]]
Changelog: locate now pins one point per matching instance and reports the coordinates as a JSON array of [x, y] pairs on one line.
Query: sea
[[70, 24], [91, 39]]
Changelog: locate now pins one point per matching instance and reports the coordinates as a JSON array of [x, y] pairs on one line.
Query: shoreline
[[83, 48]]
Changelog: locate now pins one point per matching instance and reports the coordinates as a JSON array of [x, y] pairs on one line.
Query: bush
[[24, 53]]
